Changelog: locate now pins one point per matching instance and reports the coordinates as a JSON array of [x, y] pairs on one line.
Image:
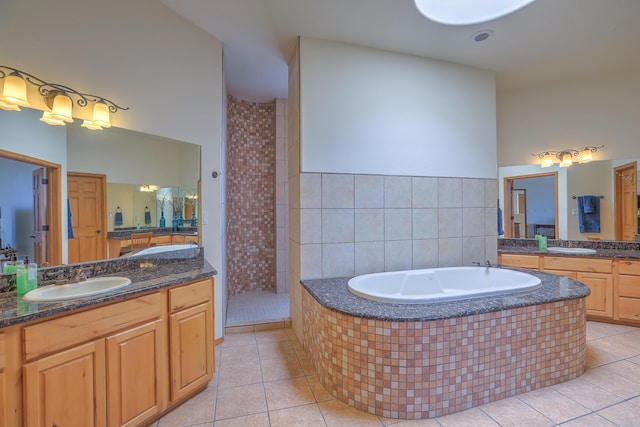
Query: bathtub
[[181, 251], [440, 284]]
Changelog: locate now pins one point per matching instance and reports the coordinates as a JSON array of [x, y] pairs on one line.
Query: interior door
[[40, 236], [519, 212], [626, 201], [86, 194]]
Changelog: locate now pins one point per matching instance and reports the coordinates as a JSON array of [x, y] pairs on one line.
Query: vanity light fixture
[[467, 12], [565, 158], [58, 98]]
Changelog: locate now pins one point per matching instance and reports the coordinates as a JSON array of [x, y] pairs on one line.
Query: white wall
[[570, 114], [369, 111], [141, 55]]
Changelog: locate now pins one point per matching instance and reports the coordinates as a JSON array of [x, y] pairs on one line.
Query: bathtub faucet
[[488, 264], [476, 263]]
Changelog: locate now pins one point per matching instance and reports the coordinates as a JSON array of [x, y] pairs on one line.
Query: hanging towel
[[118, 218], [69, 224], [500, 229], [147, 218], [589, 214]]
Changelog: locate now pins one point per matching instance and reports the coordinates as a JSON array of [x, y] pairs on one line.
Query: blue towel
[[589, 214], [147, 218], [118, 218], [500, 229], [69, 224]]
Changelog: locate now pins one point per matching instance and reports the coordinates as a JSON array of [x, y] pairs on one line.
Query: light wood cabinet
[[628, 291], [4, 405], [520, 260], [67, 388], [136, 374], [600, 301], [192, 357]]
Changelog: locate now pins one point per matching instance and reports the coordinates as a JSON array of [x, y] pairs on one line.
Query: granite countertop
[[125, 234], [149, 275], [604, 248], [334, 294]]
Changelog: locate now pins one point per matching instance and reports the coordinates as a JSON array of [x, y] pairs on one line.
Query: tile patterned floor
[[257, 307], [264, 379]]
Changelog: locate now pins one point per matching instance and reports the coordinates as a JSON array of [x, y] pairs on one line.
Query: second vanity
[[120, 359], [611, 273]]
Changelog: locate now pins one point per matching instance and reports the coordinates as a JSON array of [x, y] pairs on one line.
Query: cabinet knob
[[628, 263]]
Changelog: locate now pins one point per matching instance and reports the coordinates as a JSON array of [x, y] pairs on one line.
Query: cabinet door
[[191, 349], [136, 382], [3, 401], [600, 302], [67, 388]]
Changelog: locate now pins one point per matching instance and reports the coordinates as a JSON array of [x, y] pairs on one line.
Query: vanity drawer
[[190, 295], [66, 331], [518, 260], [629, 267], [3, 352], [629, 286], [592, 265], [629, 309]]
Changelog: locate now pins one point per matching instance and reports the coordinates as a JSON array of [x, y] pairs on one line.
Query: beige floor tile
[[598, 330], [255, 420], [240, 401], [239, 374], [338, 414], [238, 354], [513, 412], [587, 394], [276, 349], [635, 360], [629, 370], [411, 423], [553, 404], [597, 357], [304, 416], [199, 409], [591, 420], [307, 367], [288, 393], [612, 382], [239, 339], [321, 394], [624, 414], [473, 417], [272, 335], [280, 369], [622, 345]]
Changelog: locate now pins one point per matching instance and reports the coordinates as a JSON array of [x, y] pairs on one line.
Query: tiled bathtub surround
[[356, 224], [250, 196], [429, 368]]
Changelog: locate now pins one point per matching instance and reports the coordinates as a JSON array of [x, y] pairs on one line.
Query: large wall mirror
[[545, 201], [145, 179]]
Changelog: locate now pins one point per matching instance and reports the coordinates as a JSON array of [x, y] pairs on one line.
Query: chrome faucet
[[77, 276], [488, 264]]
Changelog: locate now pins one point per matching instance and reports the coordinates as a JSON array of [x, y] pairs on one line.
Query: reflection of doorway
[[626, 201], [531, 205], [52, 213], [87, 200]]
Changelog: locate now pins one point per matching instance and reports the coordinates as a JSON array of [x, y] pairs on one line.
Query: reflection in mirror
[[614, 182], [129, 161]]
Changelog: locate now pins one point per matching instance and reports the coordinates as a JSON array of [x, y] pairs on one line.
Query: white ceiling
[[547, 41]]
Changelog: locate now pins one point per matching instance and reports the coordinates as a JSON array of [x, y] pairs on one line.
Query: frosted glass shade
[[14, 91], [101, 115], [586, 156], [61, 109], [9, 107], [565, 160], [467, 12], [46, 117], [547, 161], [89, 124]]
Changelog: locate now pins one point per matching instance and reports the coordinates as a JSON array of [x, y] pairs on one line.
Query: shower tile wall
[[251, 196], [357, 224], [282, 198]]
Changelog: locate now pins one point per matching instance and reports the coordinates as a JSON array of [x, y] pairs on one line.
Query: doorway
[[47, 230], [87, 200], [625, 180], [531, 205]]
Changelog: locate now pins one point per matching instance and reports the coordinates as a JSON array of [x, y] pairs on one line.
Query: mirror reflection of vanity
[[129, 160], [552, 203]]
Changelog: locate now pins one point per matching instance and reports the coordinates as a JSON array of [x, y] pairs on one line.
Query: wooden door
[[136, 379], [191, 348], [67, 388], [87, 201], [626, 201], [600, 301], [39, 235]]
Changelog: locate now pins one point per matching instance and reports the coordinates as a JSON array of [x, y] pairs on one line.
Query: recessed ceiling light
[[467, 12], [482, 35]]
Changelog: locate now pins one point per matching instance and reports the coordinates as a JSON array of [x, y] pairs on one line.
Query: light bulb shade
[[586, 156], [15, 91], [565, 160], [547, 161], [467, 12], [46, 117], [101, 115], [9, 107], [61, 110], [89, 124]]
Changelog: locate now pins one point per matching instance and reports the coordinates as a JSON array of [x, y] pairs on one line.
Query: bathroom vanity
[[612, 275], [119, 359]]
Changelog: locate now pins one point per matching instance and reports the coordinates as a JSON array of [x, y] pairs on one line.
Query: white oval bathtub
[[440, 284]]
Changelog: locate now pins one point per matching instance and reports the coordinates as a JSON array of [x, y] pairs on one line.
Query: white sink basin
[[559, 250], [88, 288]]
